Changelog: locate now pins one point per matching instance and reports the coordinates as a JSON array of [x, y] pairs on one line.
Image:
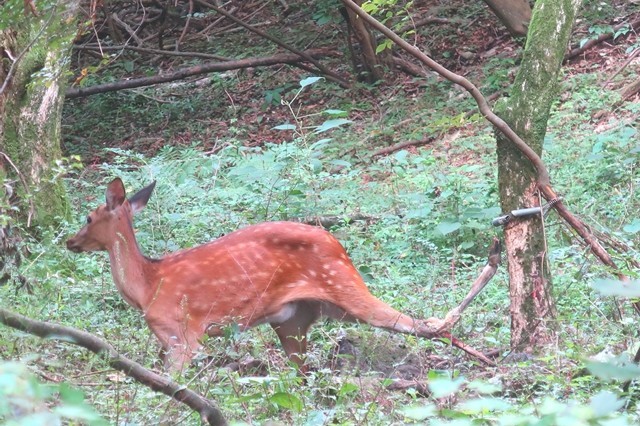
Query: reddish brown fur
[[287, 274]]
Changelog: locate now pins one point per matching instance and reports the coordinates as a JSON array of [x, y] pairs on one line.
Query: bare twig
[[186, 26], [133, 34], [277, 41], [220, 19], [208, 411]]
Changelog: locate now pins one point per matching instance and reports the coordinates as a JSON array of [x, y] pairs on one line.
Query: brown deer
[[282, 273]]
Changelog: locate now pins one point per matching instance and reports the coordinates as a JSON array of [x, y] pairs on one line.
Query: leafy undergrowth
[[421, 238]]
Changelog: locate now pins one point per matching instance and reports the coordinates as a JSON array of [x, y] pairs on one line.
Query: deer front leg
[[177, 342]]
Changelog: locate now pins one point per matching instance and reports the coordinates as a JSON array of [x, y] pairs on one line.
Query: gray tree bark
[[527, 111]]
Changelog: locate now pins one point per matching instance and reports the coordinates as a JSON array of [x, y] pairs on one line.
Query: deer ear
[[115, 194], [140, 198]]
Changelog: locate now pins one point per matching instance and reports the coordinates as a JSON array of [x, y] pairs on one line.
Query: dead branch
[[425, 21], [127, 28], [602, 37], [331, 221], [100, 48], [207, 409], [220, 19], [230, 28], [407, 67], [399, 146], [186, 26], [435, 328], [543, 179], [630, 90], [283, 58], [489, 270], [275, 40], [631, 57]]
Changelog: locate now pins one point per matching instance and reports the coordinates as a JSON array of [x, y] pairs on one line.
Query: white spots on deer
[[296, 284]]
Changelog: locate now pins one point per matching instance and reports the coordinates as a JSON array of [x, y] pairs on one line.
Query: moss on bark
[[30, 110]]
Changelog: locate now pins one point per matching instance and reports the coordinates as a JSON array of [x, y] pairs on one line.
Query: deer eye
[[88, 219]]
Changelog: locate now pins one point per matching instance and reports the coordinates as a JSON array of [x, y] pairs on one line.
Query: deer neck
[[129, 268]]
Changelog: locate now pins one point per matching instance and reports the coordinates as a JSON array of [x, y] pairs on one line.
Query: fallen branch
[[399, 146], [283, 58], [331, 221], [630, 90], [414, 25], [277, 41], [101, 48], [208, 411], [602, 37], [543, 180], [631, 57], [133, 34]]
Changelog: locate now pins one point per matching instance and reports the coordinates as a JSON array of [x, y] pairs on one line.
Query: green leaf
[[340, 163], [285, 127], [316, 165], [79, 412], [480, 405], [347, 388], [320, 143], [605, 403], [445, 387], [419, 413], [71, 395], [334, 112], [633, 227], [483, 387], [608, 371], [309, 81], [330, 124], [612, 287], [446, 228], [287, 400]]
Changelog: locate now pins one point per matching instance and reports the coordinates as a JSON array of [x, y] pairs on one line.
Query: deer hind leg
[[292, 331], [350, 294]]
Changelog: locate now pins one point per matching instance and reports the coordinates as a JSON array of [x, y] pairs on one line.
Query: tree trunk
[[527, 111], [514, 14], [368, 64], [36, 47]]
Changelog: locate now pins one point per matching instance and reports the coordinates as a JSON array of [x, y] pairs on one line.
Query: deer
[[285, 274]]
